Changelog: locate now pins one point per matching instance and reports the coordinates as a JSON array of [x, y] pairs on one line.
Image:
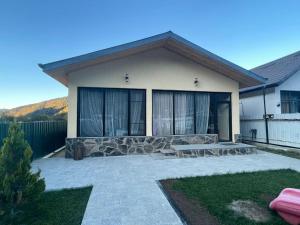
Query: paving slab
[[125, 190]]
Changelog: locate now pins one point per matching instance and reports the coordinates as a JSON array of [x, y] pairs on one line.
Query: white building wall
[[253, 107], [284, 129], [155, 69]]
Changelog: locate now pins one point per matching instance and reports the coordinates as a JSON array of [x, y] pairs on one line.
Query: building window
[[111, 112], [182, 112], [290, 101]]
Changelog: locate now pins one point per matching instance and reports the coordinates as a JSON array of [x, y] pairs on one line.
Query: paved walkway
[[125, 191]]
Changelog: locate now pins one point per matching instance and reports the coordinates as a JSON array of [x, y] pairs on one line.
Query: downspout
[[265, 115]]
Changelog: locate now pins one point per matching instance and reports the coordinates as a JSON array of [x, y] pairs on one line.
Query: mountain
[[50, 109]]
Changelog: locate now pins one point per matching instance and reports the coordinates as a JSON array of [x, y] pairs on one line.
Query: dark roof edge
[[218, 58], [164, 36], [260, 87], [110, 50], [271, 62]]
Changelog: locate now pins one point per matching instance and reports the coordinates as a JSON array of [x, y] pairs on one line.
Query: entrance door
[[223, 118]]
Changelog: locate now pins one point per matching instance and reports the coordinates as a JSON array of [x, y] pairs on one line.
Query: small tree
[[18, 185]]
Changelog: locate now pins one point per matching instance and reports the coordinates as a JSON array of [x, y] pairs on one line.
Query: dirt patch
[[250, 210], [191, 211]]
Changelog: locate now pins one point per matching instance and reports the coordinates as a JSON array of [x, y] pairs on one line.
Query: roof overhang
[[59, 70]]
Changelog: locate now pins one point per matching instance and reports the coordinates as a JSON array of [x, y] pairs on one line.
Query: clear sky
[[248, 33]]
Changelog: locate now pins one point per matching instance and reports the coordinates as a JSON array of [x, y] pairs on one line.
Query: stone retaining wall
[[113, 146]]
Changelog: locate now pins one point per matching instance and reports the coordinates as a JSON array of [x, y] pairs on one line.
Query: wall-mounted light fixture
[[196, 82], [126, 78]]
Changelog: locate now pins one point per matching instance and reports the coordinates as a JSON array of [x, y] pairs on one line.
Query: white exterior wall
[[284, 129], [155, 69]]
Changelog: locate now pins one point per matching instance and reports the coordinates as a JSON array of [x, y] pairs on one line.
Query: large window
[[111, 112], [179, 112], [290, 101]]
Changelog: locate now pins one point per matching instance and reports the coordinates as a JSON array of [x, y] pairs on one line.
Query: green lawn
[[216, 192], [63, 207], [289, 153]]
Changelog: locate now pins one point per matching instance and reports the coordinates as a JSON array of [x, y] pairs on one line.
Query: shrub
[[18, 185]]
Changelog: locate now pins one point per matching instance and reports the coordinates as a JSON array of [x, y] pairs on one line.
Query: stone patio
[[125, 189]]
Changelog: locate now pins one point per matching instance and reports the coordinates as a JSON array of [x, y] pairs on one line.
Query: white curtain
[[202, 101], [184, 113], [137, 112], [91, 112], [116, 113], [162, 113]]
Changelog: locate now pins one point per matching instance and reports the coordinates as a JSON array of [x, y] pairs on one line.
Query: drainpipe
[[265, 115]]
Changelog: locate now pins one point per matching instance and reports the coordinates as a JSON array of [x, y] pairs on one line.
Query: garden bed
[[63, 207], [207, 200]]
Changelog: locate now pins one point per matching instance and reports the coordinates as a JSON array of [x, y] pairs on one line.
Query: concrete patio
[[125, 191]]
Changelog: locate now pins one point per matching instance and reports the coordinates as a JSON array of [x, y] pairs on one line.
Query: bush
[[18, 186]]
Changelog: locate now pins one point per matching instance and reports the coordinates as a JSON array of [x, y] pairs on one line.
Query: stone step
[[213, 149], [168, 152]]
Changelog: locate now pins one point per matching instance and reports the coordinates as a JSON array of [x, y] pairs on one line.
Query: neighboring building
[[282, 101], [160, 86]]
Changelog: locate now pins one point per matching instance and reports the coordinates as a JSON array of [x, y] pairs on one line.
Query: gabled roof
[[277, 71], [59, 70]]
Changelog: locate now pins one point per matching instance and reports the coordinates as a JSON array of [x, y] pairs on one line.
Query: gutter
[[265, 114]]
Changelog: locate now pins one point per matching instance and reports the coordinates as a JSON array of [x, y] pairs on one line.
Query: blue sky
[[248, 33]]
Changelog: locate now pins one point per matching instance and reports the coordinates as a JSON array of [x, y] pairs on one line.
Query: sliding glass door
[[180, 112], [184, 113], [163, 106], [111, 112]]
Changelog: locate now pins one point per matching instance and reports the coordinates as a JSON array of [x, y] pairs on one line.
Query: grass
[[63, 207], [288, 153], [216, 192]]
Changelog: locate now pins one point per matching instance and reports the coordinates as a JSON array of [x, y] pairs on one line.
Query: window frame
[[103, 89], [214, 102], [289, 101]]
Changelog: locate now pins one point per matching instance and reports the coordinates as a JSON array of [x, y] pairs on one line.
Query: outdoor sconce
[[126, 78], [196, 82]]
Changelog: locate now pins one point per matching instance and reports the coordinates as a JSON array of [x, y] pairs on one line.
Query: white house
[[279, 98], [144, 95]]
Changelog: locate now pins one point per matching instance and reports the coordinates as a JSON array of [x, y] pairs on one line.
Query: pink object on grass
[[287, 205]]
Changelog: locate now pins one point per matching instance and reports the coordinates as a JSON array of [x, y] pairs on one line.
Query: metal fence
[[43, 136], [283, 130]]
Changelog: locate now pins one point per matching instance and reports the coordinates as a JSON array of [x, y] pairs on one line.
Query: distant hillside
[[51, 109]]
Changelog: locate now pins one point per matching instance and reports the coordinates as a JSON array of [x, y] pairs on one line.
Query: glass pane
[[184, 113], [202, 104], [91, 112], [137, 112], [220, 97], [116, 113], [290, 101], [138, 129], [162, 113], [223, 121]]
